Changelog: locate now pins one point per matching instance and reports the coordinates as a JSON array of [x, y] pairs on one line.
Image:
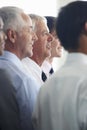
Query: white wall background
[[41, 7]]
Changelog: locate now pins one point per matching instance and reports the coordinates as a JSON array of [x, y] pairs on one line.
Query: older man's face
[[25, 38], [43, 45]]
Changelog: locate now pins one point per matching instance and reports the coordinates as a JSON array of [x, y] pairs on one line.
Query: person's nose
[[50, 38]]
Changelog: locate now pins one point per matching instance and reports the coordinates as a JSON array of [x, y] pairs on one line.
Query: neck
[[37, 59], [49, 59]]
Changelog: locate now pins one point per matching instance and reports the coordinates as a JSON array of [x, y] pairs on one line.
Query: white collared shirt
[[62, 101], [46, 66], [33, 68]]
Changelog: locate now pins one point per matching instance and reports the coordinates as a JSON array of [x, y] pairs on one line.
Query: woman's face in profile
[[56, 46]]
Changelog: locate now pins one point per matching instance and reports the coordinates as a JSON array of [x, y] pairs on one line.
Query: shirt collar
[[12, 58]]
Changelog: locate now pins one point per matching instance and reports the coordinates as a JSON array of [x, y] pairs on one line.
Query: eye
[[45, 33]]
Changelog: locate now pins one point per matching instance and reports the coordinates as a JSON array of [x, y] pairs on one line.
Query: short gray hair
[[12, 17], [36, 18]]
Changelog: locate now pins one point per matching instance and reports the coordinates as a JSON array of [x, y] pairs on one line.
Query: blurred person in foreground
[[19, 42], [41, 48], [56, 48], [62, 100]]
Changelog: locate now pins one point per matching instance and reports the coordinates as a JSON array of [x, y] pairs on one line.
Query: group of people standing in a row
[[45, 48], [25, 44], [31, 99]]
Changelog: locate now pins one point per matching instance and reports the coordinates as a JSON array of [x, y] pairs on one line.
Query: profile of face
[[2, 37], [25, 38], [42, 46], [56, 47]]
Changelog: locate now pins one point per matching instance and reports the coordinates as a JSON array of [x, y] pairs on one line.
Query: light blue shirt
[[25, 87]]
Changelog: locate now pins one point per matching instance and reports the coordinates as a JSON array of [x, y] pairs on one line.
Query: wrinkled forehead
[[42, 25], [27, 19]]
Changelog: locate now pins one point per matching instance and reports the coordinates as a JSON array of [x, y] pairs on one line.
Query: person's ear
[[11, 35]]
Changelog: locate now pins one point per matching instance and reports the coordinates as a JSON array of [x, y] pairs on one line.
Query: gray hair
[[36, 18], [12, 18]]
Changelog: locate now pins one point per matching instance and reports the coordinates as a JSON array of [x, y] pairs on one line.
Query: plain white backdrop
[[41, 7]]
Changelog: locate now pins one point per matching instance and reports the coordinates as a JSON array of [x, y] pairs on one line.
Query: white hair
[[36, 18], [12, 17]]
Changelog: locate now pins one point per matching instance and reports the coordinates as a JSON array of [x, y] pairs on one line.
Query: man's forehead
[[27, 19], [24, 16]]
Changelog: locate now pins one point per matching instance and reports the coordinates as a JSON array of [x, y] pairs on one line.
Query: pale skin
[[21, 42], [42, 46], [56, 48]]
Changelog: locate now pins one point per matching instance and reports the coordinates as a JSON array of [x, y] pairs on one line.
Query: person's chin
[[60, 55], [48, 54], [31, 54]]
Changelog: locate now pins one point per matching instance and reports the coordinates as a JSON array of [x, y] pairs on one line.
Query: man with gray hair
[[20, 38], [41, 48], [62, 101], [7, 98]]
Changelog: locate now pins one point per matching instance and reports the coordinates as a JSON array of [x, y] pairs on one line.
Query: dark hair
[[51, 23], [70, 24]]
